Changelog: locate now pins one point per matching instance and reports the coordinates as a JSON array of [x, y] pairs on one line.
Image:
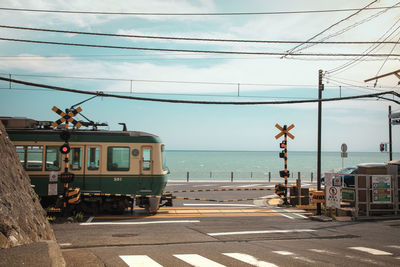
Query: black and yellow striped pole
[[67, 117], [285, 173]]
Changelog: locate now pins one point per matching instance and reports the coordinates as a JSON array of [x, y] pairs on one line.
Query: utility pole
[[320, 89], [390, 133]]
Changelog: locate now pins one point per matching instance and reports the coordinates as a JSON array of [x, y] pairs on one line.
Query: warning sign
[[333, 196]]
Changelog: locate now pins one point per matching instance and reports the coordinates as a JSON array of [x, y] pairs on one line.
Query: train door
[[76, 164], [92, 169]]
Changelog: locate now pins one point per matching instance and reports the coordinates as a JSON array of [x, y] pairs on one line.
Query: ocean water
[[247, 165]]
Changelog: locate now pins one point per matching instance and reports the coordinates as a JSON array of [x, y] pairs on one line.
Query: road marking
[[197, 260], [262, 232], [249, 259], [284, 253], [323, 251], [393, 246], [139, 223], [139, 260], [220, 205], [249, 185], [371, 251], [65, 244]]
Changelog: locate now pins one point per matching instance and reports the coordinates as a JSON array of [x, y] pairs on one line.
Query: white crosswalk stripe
[[197, 260], [249, 259], [371, 251], [139, 260], [201, 261]]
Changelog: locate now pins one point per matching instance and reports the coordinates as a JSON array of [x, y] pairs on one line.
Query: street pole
[[320, 88], [390, 133]]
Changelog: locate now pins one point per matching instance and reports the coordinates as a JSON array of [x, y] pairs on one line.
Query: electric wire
[[102, 94], [185, 13], [292, 50], [369, 50], [156, 81], [197, 51], [191, 38], [310, 44]]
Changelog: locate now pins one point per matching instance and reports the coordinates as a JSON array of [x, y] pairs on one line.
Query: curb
[[55, 255]]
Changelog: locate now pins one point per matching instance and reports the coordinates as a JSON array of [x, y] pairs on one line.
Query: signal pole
[[320, 89]]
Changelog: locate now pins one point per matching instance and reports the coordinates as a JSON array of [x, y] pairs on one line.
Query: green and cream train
[[111, 168]]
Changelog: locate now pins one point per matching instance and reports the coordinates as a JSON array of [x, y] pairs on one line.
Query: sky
[[361, 124]]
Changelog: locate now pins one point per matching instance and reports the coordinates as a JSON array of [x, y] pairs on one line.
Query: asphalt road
[[249, 233]]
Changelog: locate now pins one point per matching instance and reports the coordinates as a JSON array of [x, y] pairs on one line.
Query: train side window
[[53, 159], [34, 156], [93, 158], [21, 152], [76, 158], [146, 157], [118, 159]]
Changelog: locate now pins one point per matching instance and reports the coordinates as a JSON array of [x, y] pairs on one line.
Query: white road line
[[220, 205], [249, 185], [371, 251], [197, 260], [262, 232], [284, 253], [139, 260], [139, 223], [249, 259], [323, 251], [393, 246]]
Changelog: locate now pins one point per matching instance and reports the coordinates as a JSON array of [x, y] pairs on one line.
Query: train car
[[111, 168]]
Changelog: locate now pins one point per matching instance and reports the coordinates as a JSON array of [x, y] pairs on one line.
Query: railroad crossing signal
[[284, 130], [283, 145], [66, 117]]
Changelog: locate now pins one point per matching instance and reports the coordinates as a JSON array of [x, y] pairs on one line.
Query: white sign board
[[333, 196], [52, 190], [328, 179]]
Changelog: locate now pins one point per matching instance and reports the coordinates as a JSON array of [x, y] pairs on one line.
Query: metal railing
[[236, 175]]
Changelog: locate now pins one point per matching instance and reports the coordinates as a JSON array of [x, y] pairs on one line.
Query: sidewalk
[[39, 254]]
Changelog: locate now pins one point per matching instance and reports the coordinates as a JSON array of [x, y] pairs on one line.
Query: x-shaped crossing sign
[[284, 130], [66, 117]]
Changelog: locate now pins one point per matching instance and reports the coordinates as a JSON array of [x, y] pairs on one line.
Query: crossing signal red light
[[64, 149], [282, 145]]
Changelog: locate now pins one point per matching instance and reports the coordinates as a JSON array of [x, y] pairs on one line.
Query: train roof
[[24, 129]]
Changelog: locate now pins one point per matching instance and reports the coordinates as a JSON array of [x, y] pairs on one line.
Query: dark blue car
[[348, 180]]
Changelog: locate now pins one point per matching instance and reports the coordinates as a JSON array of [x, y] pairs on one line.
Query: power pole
[[390, 133], [320, 89]]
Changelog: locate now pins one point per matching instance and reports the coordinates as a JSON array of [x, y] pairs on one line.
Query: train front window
[[53, 158], [164, 158], [34, 158], [118, 158], [93, 158], [76, 162]]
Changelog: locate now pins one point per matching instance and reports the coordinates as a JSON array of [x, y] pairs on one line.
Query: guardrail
[[236, 175]]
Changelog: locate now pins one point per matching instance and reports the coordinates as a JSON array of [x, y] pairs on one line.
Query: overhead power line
[[102, 94], [298, 47], [199, 51], [191, 38], [184, 13]]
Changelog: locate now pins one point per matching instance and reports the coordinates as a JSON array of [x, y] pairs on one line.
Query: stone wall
[[22, 218]]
